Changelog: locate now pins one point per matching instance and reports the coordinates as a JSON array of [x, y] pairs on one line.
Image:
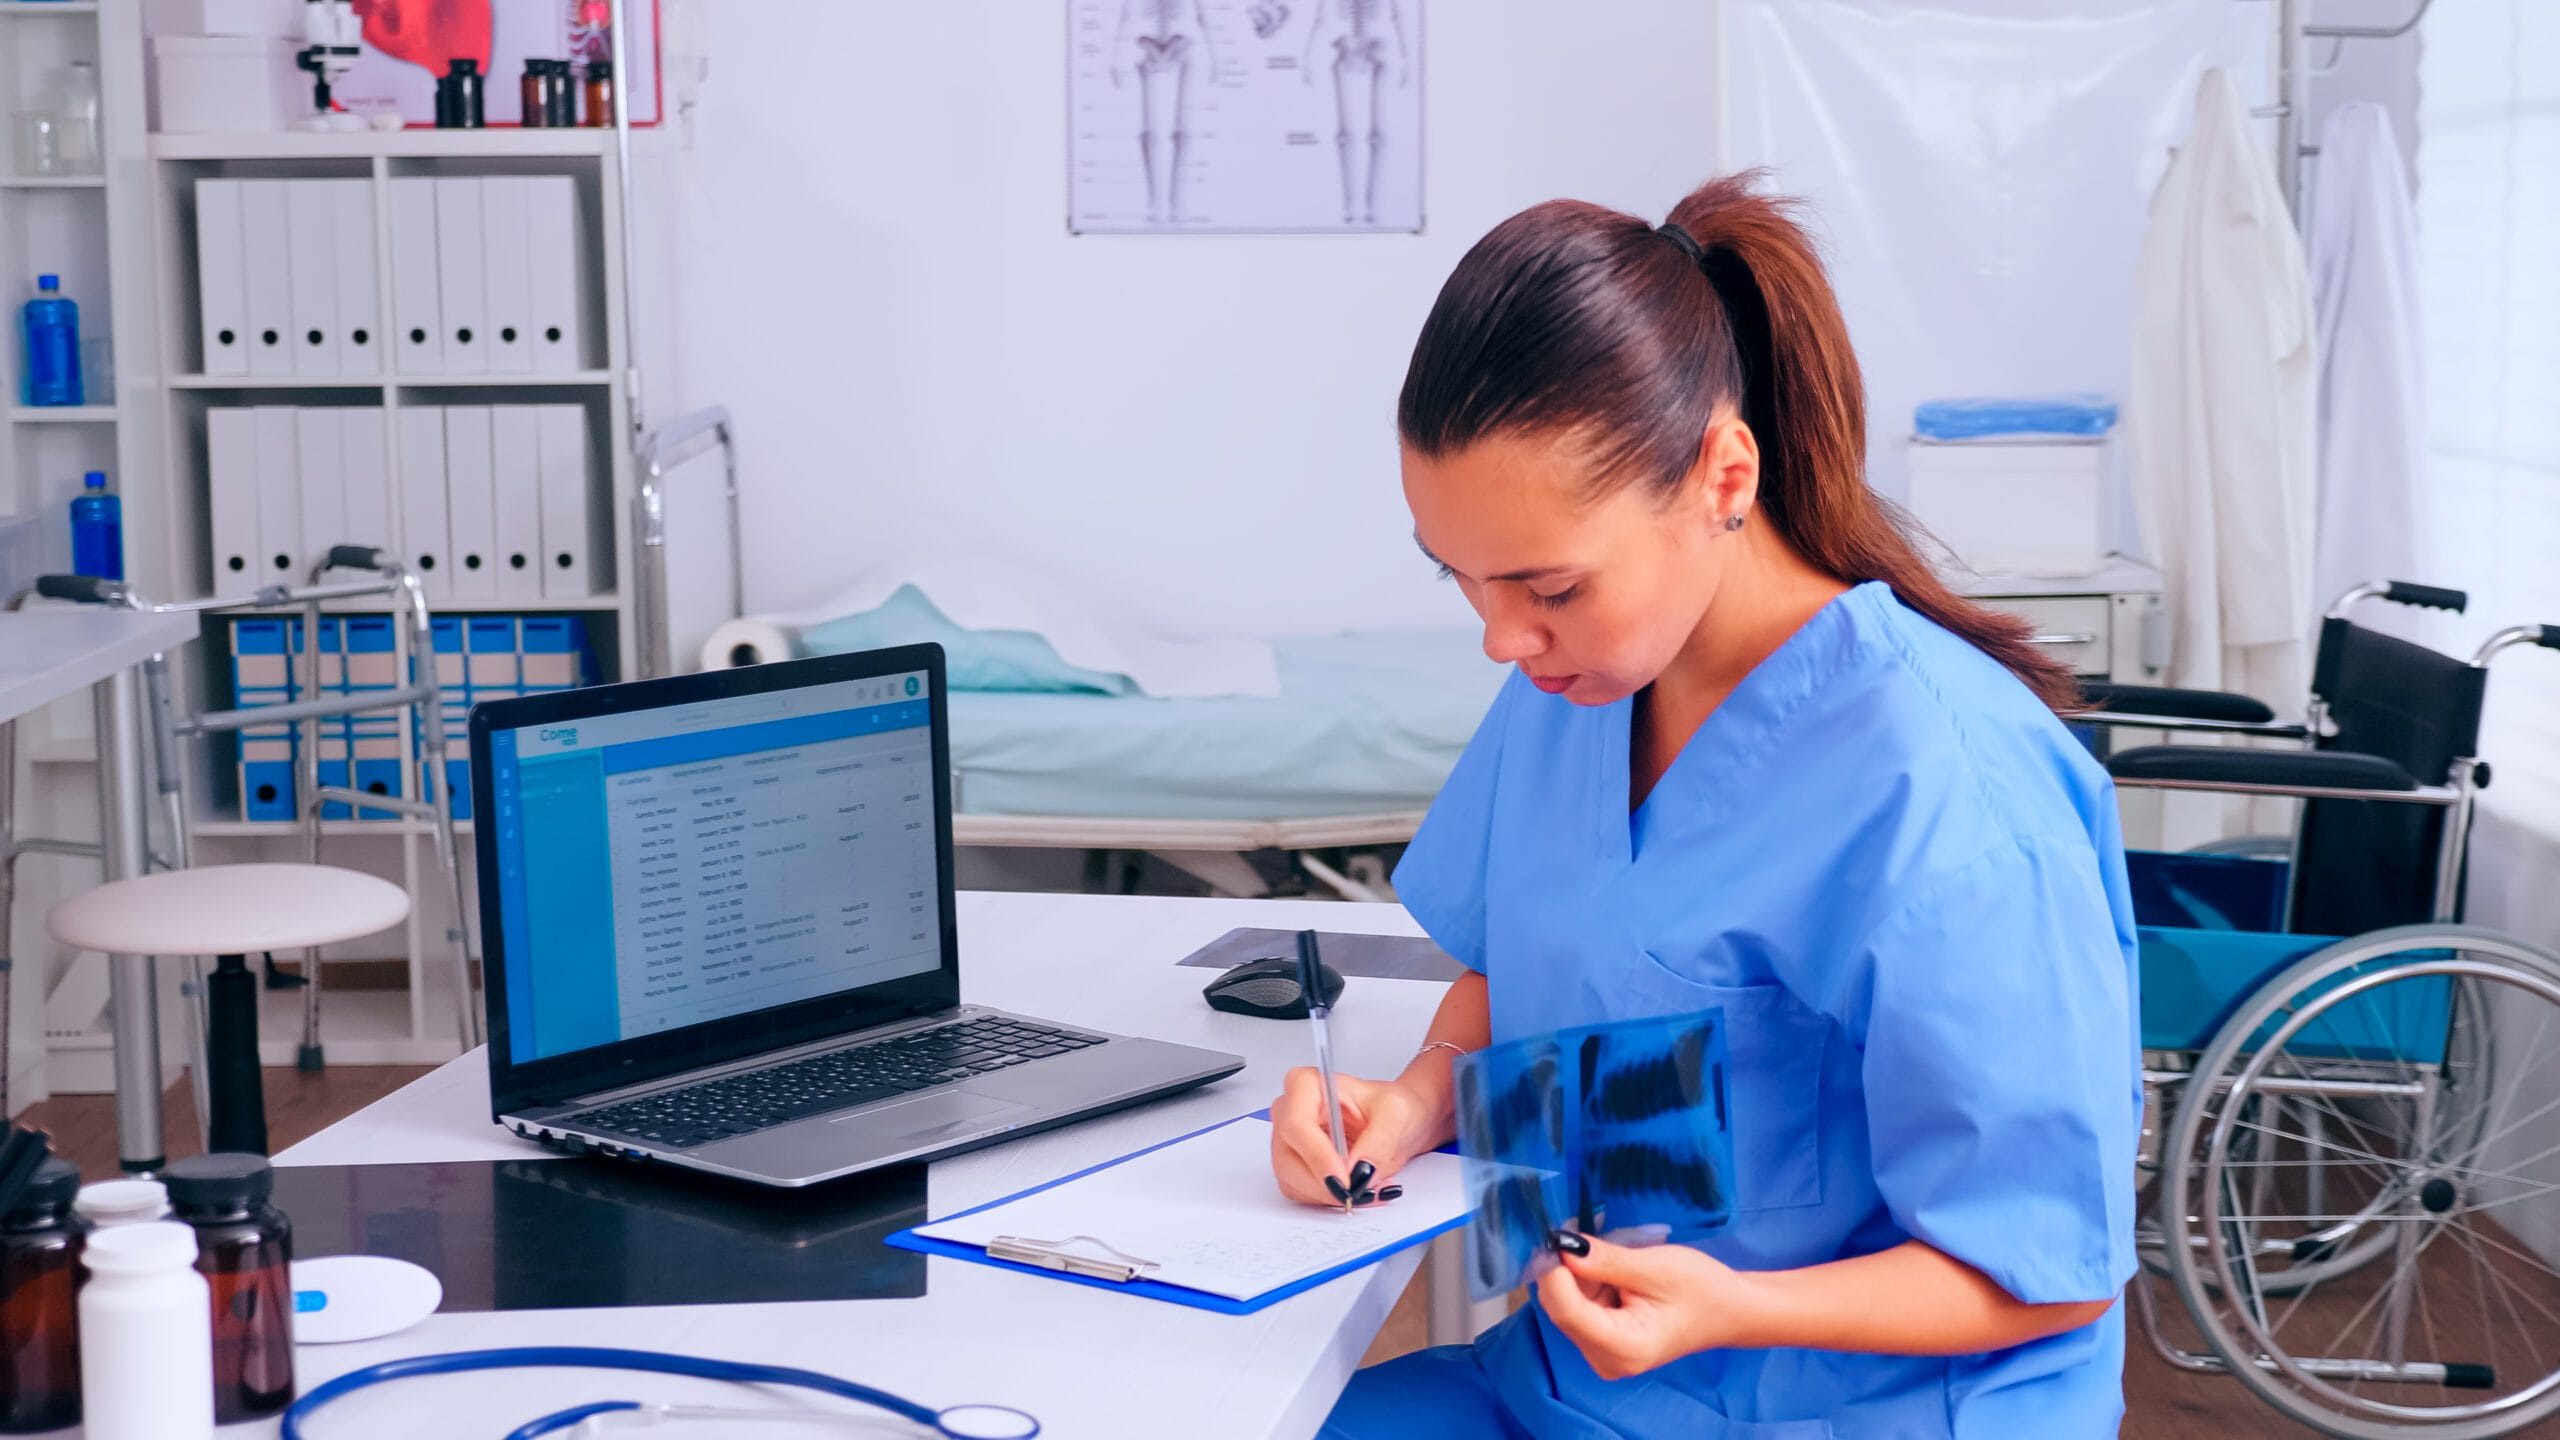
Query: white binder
[[231, 499], [469, 490], [311, 216], [364, 459], [280, 539], [266, 239], [361, 343], [502, 225], [461, 275], [515, 476], [554, 247], [426, 530], [221, 278], [569, 531], [416, 319], [320, 462]]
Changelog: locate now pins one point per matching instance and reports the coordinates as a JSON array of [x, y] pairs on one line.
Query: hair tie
[[1687, 242]]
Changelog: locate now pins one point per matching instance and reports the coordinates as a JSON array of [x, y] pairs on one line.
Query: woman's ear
[[1728, 470]]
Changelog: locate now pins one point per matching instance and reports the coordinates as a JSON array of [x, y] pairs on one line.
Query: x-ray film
[[1607, 1128]]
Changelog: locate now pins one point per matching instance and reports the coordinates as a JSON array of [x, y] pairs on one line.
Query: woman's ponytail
[[1575, 319]]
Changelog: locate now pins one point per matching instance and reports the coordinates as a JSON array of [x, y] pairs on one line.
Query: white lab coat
[[2219, 429], [2372, 397]]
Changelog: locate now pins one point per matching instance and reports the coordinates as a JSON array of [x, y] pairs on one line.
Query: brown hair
[[1580, 322]]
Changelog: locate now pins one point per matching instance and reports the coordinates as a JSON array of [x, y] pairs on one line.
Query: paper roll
[[747, 641]]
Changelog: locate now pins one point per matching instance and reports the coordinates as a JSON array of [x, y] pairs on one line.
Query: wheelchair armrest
[[2171, 703], [2295, 770]]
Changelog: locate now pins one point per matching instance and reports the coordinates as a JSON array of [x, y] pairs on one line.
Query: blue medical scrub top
[[1902, 879]]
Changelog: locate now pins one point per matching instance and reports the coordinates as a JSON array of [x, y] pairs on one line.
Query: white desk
[[53, 651], [1088, 1363], [47, 653]]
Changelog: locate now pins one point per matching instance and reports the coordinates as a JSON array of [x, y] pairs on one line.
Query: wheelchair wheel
[[2373, 1065], [2284, 1265]]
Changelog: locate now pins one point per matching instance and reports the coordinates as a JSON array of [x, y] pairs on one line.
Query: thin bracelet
[[1449, 1045]]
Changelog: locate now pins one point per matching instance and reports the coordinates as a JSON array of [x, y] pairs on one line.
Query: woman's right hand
[[1385, 1123]]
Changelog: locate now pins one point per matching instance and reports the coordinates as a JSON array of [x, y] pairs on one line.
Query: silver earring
[[1733, 522]]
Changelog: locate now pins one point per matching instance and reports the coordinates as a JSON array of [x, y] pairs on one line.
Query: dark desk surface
[[577, 1234]]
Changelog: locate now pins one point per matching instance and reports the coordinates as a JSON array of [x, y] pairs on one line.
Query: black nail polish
[[1340, 1190], [1571, 1243], [1361, 1174], [1365, 1197], [1389, 1193]]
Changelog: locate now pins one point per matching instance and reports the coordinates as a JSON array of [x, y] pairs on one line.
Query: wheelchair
[[2357, 1150]]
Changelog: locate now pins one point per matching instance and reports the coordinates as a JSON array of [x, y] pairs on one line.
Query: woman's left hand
[[1631, 1310]]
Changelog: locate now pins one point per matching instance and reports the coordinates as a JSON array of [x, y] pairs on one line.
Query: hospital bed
[[1341, 763], [2349, 1093]]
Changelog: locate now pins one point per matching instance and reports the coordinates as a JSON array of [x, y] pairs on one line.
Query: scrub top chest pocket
[[1777, 1047]]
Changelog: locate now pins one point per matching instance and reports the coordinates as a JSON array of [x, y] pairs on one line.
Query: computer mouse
[[1269, 989]]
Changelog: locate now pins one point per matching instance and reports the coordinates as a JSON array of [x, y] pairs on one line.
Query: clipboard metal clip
[[1115, 1265]]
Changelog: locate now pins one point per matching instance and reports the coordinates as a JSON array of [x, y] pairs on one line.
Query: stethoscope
[[957, 1422]]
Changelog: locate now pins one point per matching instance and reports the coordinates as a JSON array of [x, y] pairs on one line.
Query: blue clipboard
[[1152, 1289]]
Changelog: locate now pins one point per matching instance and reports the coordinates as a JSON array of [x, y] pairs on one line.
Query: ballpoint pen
[[1310, 977]]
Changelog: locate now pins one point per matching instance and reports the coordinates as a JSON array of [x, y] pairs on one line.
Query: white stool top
[[228, 910]]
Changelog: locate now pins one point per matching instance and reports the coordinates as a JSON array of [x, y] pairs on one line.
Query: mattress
[[1363, 724]]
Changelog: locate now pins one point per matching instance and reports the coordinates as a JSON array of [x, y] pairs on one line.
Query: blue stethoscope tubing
[[650, 1361]]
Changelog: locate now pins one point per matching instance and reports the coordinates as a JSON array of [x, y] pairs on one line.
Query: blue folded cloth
[[2075, 416]]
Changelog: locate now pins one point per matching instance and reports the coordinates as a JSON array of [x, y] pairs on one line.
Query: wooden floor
[[83, 1127], [2161, 1403]]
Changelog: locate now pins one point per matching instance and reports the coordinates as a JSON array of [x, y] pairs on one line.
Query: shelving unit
[[124, 244], [90, 230], [78, 227], [399, 849]]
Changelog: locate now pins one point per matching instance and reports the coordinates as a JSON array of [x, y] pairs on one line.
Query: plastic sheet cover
[[1981, 171]]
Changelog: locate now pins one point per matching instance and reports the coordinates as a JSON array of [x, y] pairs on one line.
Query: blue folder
[[1153, 1289]]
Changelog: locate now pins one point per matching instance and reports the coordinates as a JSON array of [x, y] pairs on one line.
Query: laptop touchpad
[[929, 1116]]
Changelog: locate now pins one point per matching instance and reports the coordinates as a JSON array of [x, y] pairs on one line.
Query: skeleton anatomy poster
[[1244, 115]]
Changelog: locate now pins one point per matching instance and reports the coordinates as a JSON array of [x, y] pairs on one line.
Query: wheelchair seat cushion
[[2299, 770], [2165, 701]]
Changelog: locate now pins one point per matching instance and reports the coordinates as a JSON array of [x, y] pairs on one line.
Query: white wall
[[878, 280]]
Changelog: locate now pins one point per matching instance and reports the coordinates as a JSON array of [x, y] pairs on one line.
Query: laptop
[[719, 933]]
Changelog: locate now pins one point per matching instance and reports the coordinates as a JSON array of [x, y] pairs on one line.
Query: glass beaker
[[75, 111], [38, 142]]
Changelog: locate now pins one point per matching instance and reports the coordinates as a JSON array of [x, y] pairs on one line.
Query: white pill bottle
[[146, 1336]]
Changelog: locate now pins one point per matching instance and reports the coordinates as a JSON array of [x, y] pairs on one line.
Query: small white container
[[2014, 507], [228, 84], [279, 18], [121, 1202], [146, 1336]]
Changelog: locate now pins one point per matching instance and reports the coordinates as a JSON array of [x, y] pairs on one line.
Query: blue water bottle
[[53, 346], [97, 529]]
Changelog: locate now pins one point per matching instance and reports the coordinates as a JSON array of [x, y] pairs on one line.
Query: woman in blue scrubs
[[1755, 757]]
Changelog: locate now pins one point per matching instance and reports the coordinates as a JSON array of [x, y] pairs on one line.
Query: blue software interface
[[662, 868]]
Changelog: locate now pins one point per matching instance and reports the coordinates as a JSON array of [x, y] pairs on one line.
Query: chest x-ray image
[[1220, 116], [1607, 1128]]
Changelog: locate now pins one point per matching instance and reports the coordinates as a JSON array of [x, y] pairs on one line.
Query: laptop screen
[[663, 868]]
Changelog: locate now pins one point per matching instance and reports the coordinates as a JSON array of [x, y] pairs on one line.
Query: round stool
[[230, 912]]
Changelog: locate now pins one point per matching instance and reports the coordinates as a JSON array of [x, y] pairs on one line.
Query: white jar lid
[[121, 1202], [141, 1249]]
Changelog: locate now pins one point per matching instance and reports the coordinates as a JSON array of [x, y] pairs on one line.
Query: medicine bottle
[[146, 1361], [564, 93], [599, 92], [247, 1254], [40, 1244], [533, 94], [459, 96]]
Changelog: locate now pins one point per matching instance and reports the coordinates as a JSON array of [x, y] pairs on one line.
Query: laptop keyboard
[[836, 1080]]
